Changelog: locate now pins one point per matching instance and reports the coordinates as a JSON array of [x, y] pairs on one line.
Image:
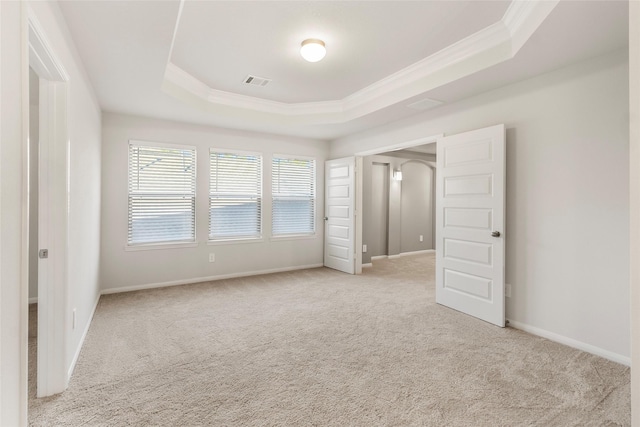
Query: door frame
[[360, 184], [53, 319]]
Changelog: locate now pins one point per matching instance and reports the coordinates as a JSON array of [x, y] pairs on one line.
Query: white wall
[[567, 195], [13, 344], [84, 178], [123, 269], [634, 92]]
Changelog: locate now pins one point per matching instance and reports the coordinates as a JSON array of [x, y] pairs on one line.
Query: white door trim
[[358, 211], [53, 321], [401, 145]]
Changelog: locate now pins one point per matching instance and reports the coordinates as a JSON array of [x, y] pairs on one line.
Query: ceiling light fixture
[[313, 50]]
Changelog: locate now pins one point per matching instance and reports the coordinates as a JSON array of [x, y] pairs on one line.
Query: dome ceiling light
[[313, 50]]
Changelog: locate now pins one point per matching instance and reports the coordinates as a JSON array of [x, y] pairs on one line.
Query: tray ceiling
[[186, 60], [219, 43]]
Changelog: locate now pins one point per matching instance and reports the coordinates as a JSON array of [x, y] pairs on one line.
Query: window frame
[[296, 236], [163, 244], [239, 239]]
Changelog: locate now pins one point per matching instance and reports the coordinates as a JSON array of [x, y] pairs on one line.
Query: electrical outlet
[[364, 248], [507, 290], [73, 319], [212, 257], [421, 238]]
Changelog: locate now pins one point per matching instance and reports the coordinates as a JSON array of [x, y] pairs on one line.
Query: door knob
[[326, 218], [495, 234]]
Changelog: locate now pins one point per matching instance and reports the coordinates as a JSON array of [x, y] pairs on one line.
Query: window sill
[[158, 246], [294, 237], [234, 241]]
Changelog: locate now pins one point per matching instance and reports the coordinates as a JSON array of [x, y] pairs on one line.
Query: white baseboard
[[373, 258], [426, 251], [33, 300], [367, 265], [205, 279], [615, 357], [81, 343]]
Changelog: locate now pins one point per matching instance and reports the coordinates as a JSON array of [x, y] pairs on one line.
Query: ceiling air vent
[[425, 104], [256, 81]]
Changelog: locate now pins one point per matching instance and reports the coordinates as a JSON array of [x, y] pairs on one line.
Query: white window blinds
[[162, 186], [235, 196], [294, 196]]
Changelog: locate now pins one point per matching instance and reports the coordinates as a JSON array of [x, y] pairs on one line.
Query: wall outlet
[[73, 319], [421, 238], [364, 249], [212, 257], [507, 290]]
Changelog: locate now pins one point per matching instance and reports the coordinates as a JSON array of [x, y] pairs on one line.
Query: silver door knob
[[326, 218], [495, 234]]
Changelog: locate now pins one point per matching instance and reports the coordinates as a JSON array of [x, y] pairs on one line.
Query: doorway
[[398, 202], [470, 204], [46, 217]]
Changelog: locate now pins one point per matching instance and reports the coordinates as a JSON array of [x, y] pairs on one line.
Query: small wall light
[[313, 50], [397, 175]]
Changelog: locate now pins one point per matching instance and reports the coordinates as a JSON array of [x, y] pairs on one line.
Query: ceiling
[[186, 60], [219, 42]]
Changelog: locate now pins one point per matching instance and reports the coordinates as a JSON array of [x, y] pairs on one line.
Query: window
[[162, 193], [235, 195], [294, 196]]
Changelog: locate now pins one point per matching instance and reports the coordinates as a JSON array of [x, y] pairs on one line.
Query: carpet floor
[[322, 348]]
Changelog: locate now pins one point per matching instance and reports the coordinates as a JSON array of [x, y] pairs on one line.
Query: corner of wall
[[634, 113]]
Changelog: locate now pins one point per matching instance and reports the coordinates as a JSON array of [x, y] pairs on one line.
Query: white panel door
[[470, 223], [339, 227]]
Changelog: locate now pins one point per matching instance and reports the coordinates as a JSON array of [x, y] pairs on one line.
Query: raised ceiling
[[219, 43], [186, 60]]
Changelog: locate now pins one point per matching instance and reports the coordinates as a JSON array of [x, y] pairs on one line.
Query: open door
[[470, 223], [54, 318], [339, 228]]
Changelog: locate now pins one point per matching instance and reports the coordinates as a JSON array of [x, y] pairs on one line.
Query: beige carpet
[[322, 348]]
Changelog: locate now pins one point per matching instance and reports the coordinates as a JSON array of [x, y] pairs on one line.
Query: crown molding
[[494, 44], [180, 77], [481, 41], [41, 56]]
